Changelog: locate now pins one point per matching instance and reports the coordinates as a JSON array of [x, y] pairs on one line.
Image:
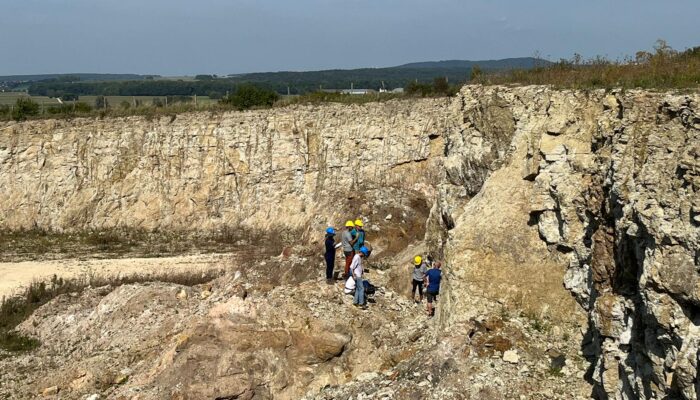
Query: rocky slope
[[572, 217], [610, 183]]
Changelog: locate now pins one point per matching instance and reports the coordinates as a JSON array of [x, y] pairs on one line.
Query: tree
[[24, 108], [248, 96], [441, 86], [476, 72]]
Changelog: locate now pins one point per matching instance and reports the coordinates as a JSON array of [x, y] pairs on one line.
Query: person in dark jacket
[[330, 254], [433, 278]]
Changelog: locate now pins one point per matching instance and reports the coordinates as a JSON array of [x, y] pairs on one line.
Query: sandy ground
[[16, 275]]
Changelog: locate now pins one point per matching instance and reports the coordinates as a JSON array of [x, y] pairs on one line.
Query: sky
[[177, 37]]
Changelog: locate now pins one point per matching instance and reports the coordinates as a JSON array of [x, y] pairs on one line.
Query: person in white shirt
[[357, 273]]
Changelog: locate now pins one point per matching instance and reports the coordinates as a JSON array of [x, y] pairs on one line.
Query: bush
[[24, 108], [248, 96], [82, 107]]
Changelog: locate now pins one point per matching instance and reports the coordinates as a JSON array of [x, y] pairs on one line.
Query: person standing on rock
[[330, 254], [418, 275], [358, 276], [348, 241], [359, 235], [433, 278]]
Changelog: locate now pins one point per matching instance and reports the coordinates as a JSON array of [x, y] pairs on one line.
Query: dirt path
[[16, 275]]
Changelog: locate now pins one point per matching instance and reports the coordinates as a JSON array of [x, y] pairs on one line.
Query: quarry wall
[[580, 207]]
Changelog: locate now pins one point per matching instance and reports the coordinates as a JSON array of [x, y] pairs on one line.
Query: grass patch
[[14, 310], [664, 68], [555, 372], [40, 244]]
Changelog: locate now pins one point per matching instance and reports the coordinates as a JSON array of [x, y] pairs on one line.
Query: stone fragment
[[367, 376], [548, 225], [182, 294], [511, 356], [50, 391]]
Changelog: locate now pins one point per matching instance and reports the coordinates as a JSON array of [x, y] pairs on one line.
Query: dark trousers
[[330, 264], [348, 260], [419, 285]]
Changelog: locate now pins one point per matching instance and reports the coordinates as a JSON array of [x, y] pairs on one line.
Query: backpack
[[369, 288]]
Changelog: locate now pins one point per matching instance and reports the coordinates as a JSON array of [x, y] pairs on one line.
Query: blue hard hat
[[330, 231], [364, 250]]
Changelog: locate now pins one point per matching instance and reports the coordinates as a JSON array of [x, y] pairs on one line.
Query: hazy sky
[[177, 37]]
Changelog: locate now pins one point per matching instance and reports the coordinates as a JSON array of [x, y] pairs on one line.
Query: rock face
[[201, 172], [610, 183], [575, 210]]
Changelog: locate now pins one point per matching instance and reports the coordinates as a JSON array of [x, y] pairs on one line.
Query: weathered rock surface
[[609, 181], [201, 172], [569, 221]]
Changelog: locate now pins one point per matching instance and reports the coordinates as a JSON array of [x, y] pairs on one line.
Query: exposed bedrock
[[610, 183], [577, 207]]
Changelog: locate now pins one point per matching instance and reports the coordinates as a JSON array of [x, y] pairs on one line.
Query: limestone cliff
[[202, 171], [609, 181]]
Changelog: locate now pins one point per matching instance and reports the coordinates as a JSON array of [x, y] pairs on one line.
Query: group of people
[[426, 272], [356, 249]]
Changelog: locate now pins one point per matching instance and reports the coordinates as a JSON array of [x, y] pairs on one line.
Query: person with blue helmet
[[330, 254], [358, 276]]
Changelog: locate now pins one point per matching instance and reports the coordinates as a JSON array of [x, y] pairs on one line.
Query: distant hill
[[456, 72], [506, 63], [80, 76]]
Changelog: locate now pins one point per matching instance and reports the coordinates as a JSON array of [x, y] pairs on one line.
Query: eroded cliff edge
[[609, 180], [532, 190]]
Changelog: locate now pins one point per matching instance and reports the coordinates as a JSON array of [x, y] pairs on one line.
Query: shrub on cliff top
[[664, 68], [250, 96], [24, 108]]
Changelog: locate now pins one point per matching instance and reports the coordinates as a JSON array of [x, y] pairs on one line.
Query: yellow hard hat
[[349, 224], [358, 222], [417, 260]]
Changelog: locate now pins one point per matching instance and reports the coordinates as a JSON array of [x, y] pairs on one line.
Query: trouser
[[359, 291], [419, 285], [348, 260], [330, 264]]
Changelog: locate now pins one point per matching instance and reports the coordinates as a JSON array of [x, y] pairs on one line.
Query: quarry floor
[[14, 276]]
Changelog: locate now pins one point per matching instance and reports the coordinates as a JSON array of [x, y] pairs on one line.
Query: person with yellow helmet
[[347, 240], [418, 278], [359, 235]]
